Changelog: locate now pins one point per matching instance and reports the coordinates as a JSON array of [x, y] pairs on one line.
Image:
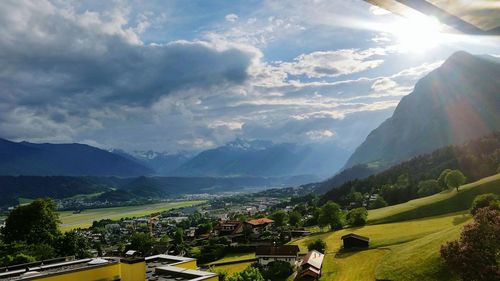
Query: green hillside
[[441, 203], [404, 239]]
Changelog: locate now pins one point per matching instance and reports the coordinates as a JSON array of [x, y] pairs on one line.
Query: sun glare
[[418, 34]]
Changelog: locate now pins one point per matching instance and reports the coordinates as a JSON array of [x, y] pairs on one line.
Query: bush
[[428, 187], [485, 200], [378, 203], [357, 216], [318, 245], [277, 270], [475, 255], [249, 274]]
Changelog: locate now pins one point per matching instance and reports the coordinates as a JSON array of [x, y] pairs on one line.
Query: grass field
[[233, 268], [86, 217], [234, 257], [441, 203], [404, 239]]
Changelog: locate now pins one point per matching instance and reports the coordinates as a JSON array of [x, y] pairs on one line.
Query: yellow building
[[157, 268]]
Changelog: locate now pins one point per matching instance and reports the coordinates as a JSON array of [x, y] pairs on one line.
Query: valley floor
[[86, 217]]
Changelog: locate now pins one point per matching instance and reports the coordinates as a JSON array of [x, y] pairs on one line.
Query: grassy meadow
[[86, 217], [404, 239]]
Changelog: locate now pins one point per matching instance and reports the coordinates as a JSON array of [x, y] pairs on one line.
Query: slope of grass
[[441, 203], [384, 240], [359, 266], [418, 259], [86, 217]]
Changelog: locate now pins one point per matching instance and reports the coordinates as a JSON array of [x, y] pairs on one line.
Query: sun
[[418, 33]]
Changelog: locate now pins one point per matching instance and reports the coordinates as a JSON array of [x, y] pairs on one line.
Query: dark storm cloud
[[48, 54]]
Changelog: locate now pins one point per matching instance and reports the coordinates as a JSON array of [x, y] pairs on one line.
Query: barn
[[352, 241]]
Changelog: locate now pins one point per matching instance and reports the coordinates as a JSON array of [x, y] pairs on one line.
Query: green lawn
[[234, 257], [86, 217], [442, 203], [233, 268]]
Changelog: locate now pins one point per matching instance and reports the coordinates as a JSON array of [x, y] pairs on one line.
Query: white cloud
[[231, 17], [333, 63], [320, 134]]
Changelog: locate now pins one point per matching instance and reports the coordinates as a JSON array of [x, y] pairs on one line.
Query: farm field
[[86, 217]]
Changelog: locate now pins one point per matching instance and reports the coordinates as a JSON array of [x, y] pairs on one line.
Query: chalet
[[260, 225], [228, 227], [286, 253], [310, 267], [352, 240]]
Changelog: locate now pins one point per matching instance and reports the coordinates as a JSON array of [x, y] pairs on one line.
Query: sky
[[191, 75]]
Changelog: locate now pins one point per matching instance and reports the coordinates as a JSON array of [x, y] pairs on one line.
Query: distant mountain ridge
[[32, 159], [457, 102], [162, 163], [264, 158]]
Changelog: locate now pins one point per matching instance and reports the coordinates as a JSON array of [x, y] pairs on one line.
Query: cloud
[[333, 63], [64, 72], [320, 134], [231, 17]]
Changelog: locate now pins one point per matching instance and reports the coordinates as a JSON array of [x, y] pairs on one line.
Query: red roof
[[260, 221]]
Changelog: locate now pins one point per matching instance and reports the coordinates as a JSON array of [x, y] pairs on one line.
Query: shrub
[[378, 203], [428, 187], [485, 200], [318, 245], [475, 255], [357, 216]]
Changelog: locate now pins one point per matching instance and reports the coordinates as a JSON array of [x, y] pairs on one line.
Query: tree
[[428, 187], [442, 179], [455, 179], [294, 218], [73, 243], [141, 242], [277, 270], [475, 255], [318, 245], [34, 223], [485, 200], [178, 236], [280, 218], [357, 216], [356, 197], [249, 274], [379, 202], [331, 214]]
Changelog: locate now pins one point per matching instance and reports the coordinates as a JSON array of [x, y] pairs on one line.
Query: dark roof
[[283, 250], [355, 236]]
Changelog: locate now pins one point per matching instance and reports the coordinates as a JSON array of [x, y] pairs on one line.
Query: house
[[286, 253], [228, 227], [259, 225], [352, 240], [310, 267]]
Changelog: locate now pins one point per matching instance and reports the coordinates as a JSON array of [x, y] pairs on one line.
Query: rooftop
[[283, 250], [353, 235], [314, 259], [28, 271], [173, 273], [260, 221]]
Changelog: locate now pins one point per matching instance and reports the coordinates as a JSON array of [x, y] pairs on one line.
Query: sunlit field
[[86, 217]]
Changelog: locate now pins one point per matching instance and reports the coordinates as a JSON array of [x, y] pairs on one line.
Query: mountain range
[[44, 159], [264, 158]]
